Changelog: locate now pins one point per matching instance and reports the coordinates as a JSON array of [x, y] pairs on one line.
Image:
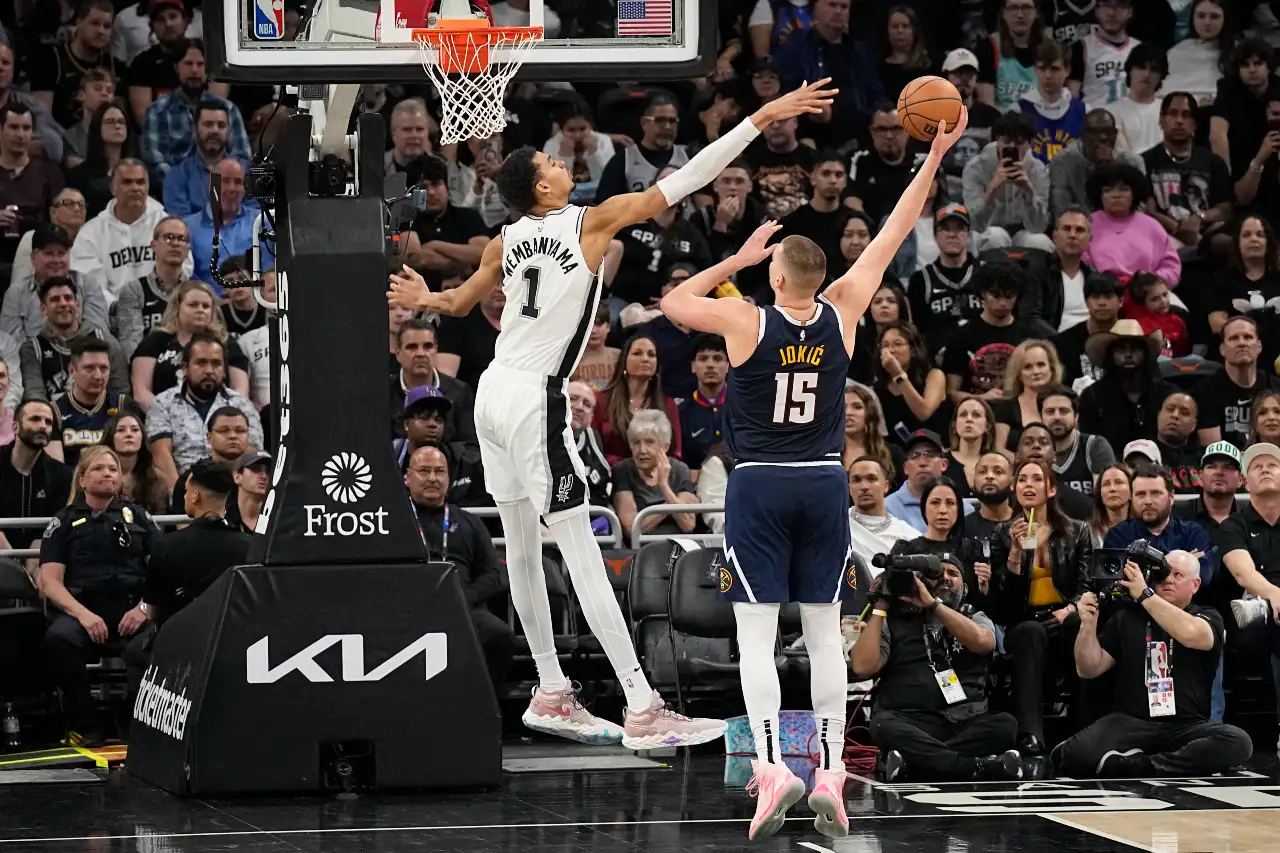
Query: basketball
[[924, 103]]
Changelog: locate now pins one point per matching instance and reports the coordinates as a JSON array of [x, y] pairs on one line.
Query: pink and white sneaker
[[827, 802], [659, 726], [558, 712], [776, 789]]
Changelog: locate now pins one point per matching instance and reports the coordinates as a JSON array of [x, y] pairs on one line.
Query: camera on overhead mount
[[328, 176], [1106, 569], [262, 183], [901, 571]]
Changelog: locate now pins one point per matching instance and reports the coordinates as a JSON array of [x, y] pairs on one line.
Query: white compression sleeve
[[828, 679], [761, 690], [529, 589], [708, 163], [581, 554]]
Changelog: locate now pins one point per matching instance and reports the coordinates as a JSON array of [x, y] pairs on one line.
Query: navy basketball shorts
[[786, 535]]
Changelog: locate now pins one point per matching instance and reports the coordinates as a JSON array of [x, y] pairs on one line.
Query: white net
[[472, 102]]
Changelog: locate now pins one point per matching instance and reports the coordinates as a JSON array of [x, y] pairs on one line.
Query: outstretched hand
[[809, 99], [948, 136], [408, 289], [757, 247]]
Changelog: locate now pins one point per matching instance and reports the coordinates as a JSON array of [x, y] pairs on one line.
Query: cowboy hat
[[1099, 342]]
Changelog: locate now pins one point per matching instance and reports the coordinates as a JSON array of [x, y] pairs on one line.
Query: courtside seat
[[647, 597], [22, 627], [565, 633], [702, 626], [617, 565]]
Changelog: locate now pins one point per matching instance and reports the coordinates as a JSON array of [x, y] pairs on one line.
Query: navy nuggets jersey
[[83, 427], [786, 402]]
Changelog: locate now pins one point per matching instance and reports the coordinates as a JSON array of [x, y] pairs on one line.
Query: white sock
[[529, 589], [761, 690], [581, 554], [828, 679]]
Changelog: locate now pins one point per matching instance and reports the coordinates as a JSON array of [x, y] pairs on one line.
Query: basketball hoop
[[457, 55]]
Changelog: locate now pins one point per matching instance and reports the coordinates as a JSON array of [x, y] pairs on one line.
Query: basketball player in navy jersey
[[786, 534], [548, 264]]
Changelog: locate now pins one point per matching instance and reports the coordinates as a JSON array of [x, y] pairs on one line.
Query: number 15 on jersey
[[796, 399]]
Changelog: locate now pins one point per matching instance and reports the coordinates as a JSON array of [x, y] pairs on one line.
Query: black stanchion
[[344, 661]]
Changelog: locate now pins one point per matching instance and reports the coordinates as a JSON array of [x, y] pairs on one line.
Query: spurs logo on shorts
[[565, 488]]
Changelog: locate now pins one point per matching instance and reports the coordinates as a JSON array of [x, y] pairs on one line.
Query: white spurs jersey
[[551, 293], [1104, 75]]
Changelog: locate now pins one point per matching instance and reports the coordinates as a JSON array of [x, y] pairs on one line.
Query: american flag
[[644, 17]]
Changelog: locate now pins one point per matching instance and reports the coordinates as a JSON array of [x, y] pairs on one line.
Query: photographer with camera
[[1165, 652], [1047, 555], [931, 655]]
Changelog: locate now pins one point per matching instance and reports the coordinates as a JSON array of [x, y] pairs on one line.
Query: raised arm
[[409, 290], [607, 218], [852, 292], [689, 305]]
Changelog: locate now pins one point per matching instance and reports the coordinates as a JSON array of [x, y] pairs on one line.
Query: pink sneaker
[[660, 726], [776, 789], [827, 802], [558, 712]]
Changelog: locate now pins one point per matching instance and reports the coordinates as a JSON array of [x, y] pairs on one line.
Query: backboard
[[340, 41]]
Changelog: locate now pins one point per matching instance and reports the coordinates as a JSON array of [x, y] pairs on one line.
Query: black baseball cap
[[926, 436], [47, 234]]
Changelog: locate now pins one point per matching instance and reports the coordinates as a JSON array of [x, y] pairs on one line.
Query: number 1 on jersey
[[530, 307], [796, 400]]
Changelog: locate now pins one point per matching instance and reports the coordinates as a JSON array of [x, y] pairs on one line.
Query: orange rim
[[462, 45]]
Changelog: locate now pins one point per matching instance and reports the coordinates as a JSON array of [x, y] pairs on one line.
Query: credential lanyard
[[444, 534]]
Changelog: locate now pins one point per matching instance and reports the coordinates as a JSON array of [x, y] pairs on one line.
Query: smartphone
[[1009, 154], [1273, 125]]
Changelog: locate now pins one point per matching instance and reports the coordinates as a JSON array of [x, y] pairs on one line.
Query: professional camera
[[902, 570], [262, 183], [1106, 569]]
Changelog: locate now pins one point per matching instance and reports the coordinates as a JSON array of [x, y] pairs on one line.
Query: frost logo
[[346, 478]]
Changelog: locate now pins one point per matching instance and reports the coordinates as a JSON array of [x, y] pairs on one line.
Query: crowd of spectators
[[1082, 327]]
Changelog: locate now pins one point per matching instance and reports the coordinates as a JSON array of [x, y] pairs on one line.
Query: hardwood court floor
[[1256, 831]]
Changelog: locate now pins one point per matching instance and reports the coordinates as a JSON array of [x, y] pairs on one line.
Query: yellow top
[[1043, 592]]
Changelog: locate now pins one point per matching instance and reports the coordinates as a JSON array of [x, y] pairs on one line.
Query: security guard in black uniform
[[93, 568], [184, 563]]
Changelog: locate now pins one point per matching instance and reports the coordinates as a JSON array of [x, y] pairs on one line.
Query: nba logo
[[268, 19]]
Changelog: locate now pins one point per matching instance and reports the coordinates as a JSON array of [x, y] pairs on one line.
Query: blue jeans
[[1217, 696]]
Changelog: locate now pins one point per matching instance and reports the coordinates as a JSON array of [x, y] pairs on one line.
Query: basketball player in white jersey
[[548, 265], [785, 429]]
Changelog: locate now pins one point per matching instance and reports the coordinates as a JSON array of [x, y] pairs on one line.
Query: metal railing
[[23, 553], [614, 538], [638, 538], [615, 525]]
